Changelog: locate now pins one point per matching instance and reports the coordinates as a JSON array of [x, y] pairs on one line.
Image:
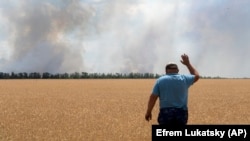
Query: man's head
[[171, 68]]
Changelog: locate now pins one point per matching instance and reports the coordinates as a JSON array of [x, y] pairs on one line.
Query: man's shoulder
[[182, 76], [188, 77]]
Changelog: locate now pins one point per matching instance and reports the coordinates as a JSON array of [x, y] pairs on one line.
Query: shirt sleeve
[[156, 90], [189, 79]]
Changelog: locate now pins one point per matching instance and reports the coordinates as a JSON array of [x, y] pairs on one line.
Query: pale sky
[[123, 36]]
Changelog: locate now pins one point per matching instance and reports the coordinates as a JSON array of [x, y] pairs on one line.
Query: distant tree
[[34, 75], [20, 75], [25, 75], [65, 76], [84, 75], [75, 75], [1, 75], [46, 75], [13, 75]]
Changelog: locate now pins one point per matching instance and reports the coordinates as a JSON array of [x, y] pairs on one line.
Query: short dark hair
[[171, 66]]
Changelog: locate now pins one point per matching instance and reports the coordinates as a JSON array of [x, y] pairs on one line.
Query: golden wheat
[[108, 109]]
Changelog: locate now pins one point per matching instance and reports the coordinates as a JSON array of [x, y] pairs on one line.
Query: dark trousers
[[173, 116]]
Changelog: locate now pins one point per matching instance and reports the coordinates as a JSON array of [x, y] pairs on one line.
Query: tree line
[[85, 75], [76, 75]]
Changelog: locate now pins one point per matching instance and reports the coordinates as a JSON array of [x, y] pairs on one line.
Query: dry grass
[[220, 102], [107, 110]]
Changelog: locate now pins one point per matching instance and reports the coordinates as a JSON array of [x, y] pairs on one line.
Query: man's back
[[172, 90]]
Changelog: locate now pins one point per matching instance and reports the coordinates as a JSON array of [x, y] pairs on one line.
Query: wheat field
[[108, 109]]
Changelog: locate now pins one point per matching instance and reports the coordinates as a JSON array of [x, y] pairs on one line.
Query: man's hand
[[148, 116], [192, 70], [185, 59]]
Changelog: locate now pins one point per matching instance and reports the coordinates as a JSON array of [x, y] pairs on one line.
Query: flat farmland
[[108, 109]]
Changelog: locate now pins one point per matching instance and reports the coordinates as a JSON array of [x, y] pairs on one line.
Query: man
[[172, 90]]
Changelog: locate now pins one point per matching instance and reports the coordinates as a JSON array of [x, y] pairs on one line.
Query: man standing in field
[[172, 90]]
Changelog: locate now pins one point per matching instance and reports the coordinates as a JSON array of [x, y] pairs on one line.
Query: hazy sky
[[125, 36]]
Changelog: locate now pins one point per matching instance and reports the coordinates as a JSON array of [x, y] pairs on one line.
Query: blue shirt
[[172, 90]]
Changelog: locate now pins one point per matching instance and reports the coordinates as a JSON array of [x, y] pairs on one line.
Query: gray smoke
[[126, 36], [46, 36]]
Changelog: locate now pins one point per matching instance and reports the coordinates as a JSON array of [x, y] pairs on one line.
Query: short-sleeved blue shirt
[[172, 90]]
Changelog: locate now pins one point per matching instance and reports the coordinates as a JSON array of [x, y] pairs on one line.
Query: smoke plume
[[125, 36], [46, 37]]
